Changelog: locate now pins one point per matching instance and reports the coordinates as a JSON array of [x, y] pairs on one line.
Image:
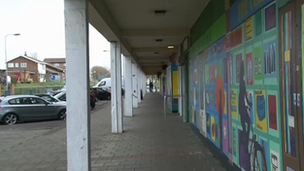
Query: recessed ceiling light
[[158, 40], [156, 53], [160, 12], [170, 47]]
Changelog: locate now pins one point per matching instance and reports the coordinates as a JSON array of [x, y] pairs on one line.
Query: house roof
[[54, 60], [28, 58], [54, 67], [38, 61]]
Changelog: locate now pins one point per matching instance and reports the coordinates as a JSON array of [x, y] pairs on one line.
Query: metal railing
[[165, 101]]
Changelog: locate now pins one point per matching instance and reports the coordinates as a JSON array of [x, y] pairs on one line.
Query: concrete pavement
[[150, 142]]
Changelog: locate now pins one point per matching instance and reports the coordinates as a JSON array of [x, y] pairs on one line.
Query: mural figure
[[248, 147], [220, 103]]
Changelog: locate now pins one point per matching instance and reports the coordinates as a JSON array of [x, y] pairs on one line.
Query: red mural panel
[[272, 109]]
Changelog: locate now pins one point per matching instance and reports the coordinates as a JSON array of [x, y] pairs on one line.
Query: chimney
[[25, 53]]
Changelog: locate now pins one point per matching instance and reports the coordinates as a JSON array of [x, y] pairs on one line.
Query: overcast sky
[[41, 25]]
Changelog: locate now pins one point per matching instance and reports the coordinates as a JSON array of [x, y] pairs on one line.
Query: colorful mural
[[241, 88], [172, 87], [194, 95]]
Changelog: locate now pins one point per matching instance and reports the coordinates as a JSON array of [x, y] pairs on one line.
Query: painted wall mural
[[194, 93], [241, 88]]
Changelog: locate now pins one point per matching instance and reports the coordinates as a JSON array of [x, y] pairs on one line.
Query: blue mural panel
[[243, 9]]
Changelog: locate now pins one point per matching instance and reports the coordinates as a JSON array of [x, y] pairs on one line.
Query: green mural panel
[[208, 17], [215, 32]]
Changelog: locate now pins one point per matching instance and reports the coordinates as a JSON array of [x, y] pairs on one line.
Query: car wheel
[[10, 119], [62, 115]]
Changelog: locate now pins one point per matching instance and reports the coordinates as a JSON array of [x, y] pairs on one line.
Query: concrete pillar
[[128, 109], [116, 99], [180, 104], [144, 82], [139, 84], [134, 86], [77, 74]]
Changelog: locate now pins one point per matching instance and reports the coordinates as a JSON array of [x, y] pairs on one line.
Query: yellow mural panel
[[260, 110], [193, 115], [175, 82], [212, 128], [248, 29], [225, 109]]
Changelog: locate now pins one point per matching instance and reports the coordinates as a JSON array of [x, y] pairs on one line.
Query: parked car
[[29, 108], [101, 93], [105, 85], [62, 97], [50, 98]]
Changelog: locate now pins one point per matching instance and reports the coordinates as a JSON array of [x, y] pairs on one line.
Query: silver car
[[29, 108]]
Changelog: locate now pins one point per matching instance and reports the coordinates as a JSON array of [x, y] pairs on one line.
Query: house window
[[64, 64], [23, 65], [56, 64], [10, 65], [16, 65]]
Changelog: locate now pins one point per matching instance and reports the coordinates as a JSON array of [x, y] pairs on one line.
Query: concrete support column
[[144, 84], [116, 99], [128, 109], [134, 86], [139, 84], [180, 104], [77, 81]]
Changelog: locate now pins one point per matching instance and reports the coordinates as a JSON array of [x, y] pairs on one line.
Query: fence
[[35, 90]]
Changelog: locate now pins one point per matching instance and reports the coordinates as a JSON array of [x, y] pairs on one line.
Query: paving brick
[[151, 142]]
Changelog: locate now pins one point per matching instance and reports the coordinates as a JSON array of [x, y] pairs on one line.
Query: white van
[[106, 83]]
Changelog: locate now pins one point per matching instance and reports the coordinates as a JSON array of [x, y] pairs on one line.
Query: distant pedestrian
[[151, 86]]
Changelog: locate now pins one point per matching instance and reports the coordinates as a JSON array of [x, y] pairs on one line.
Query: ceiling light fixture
[[170, 47], [160, 12]]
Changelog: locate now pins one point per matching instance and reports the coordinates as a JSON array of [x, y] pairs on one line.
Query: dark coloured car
[[101, 93]]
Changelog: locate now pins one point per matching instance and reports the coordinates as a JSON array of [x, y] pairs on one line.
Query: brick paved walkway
[[151, 142]]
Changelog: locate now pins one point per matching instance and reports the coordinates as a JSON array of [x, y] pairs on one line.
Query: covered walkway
[[150, 142]]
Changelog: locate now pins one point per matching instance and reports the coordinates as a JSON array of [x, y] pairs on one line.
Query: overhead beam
[[103, 21], [156, 58], [153, 61], [153, 49], [129, 33], [152, 70]]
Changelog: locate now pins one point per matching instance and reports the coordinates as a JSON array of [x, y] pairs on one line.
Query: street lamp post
[[6, 82]]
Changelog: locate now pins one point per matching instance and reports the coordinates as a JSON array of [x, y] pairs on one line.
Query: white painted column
[[139, 84], [134, 86], [116, 99], [77, 81], [161, 84], [180, 104], [128, 87], [144, 82]]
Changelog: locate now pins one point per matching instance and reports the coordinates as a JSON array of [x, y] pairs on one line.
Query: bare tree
[[34, 55], [99, 70]]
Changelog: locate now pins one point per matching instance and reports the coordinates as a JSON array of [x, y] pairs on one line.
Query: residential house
[[29, 69], [57, 62]]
